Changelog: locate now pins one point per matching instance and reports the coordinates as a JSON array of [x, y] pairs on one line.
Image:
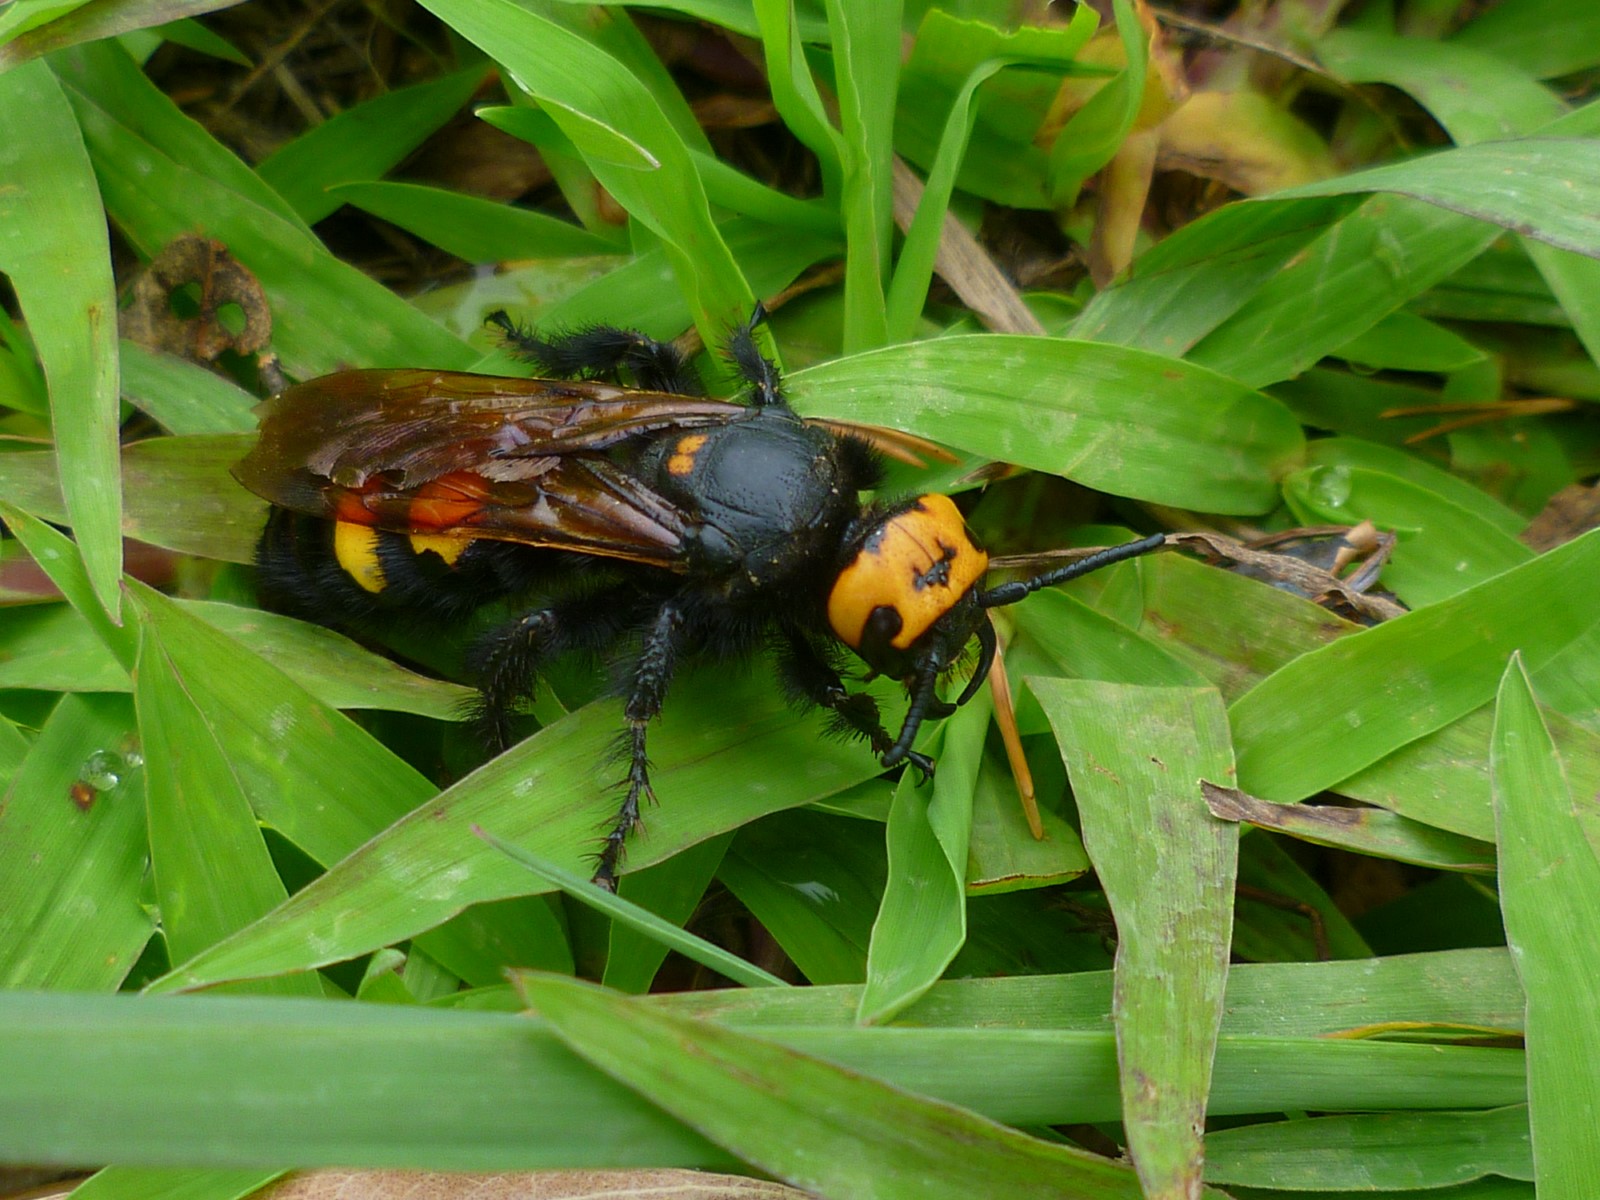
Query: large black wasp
[[645, 516]]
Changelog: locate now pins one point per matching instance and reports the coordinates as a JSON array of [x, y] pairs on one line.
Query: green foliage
[[198, 795]]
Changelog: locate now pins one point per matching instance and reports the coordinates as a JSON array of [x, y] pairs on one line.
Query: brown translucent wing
[[418, 451], [579, 502]]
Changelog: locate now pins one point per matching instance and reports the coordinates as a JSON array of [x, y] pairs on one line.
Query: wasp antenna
[[1010, 593]]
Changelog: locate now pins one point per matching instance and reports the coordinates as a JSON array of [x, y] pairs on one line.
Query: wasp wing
[[440, 452]]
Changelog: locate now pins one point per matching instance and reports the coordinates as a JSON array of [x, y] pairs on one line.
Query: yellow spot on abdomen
[[682, 460], [899, 568], [356, 548], [447, 546]]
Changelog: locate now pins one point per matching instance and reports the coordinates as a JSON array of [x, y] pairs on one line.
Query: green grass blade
[[626, 139], [64, 288], [1136, 756], [1361, 268], [71, 910], [58, 557], [810, 1123], [1544, 37], [470, 227], [866, 68], [183, 397], [672, 890], [1502, 103], [554, 792], [1328, 714], [1538, 187], [174, 1183], [363, 142], [1122, 421], [1549, 884], [209, 862], [634, 917], [1377, 1151], [325, 312], [1094, 134], [922, 920]]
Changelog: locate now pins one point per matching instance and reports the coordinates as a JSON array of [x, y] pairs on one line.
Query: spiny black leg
[[505, 662], [755, 368], [922, 698], [652, 675], [807, 675], [602, 350]]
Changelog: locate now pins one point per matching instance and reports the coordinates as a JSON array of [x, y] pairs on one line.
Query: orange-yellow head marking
[[682, 461], [918, 563], [356, 548]]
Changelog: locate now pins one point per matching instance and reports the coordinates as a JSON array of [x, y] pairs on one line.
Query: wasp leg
[[755, 368], [505, 662], [602, 350], [807, 675], [652, 676]]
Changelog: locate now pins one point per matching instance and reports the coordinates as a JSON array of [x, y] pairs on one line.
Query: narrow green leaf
[[611, 117], [89, 22], [1545, 37], [814, 882], [72, 853], [183, 397], [1363, 830], [1136, 756], [551, 792], [922, 920], [211, 868], [639, 919], [325, 313], [1549, 882], [794, 91], [241, 1081], [866, 67], [1469, 992], [1328, 714], [172, 1183], [58, 557], [672, 890], [1094, 134], [1122, 421], [1188, 284], [1361, 268], [322, 782], [1535, 186], [363, 142], [470, 227], [63, 286], [1475, 94], [1441, 549], [1373, 1151], [808, 1122]]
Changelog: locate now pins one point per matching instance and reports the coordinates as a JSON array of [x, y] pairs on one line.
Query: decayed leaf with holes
[[204, 264]]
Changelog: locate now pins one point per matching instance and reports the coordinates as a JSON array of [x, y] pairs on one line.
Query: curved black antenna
[[921, 696], [987, 645], [1010, 593]]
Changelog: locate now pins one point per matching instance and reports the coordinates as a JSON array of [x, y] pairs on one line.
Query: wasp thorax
[[911, 570]]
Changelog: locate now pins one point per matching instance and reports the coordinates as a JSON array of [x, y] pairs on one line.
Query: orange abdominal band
[[919, 564]]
